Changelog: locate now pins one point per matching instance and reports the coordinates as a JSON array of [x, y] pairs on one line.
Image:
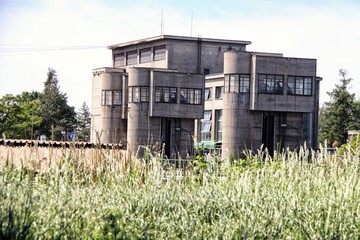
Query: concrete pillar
[[138, 112], [231, 131], [107, 124]]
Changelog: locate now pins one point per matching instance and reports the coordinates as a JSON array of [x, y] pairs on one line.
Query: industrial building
[[174, 93]]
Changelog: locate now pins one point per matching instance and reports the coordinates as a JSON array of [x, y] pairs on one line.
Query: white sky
[[325, 29]]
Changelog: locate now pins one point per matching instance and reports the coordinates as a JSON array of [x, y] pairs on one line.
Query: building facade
[[179, 92]]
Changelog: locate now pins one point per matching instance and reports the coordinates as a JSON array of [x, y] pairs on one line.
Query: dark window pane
[[119, 60], [145, 55], [117, 97], [131, 57], [159, 53]]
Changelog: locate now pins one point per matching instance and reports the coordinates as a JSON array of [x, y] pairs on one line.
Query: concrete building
[[176, 92]]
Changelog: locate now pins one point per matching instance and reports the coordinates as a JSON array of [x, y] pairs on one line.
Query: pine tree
[[57, 114], [340, 114], [83, 116]]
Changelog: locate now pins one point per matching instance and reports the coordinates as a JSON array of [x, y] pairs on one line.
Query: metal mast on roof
[[191, 30], [162, 22]]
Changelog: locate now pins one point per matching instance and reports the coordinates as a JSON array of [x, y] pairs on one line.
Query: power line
[[17, 49]]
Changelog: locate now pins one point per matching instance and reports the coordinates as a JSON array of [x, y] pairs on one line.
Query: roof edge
[[173, 37]]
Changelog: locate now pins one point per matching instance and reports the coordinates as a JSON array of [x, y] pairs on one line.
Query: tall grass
[[109, 195]]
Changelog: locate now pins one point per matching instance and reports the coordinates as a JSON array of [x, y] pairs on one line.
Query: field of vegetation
[[109, 195]]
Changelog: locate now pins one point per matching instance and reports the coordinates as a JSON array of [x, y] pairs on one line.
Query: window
[[218, 125], [159, 53], [138, 94], [165, 94], [144, 94], [110, 97], [190, 96], [227, 83], [135, 94], [244, 83], [197, 98], [299, 86], [131, 57], [207, 93], [234, 83], [119, 60], [307, 86], [106, 98], [183, 95], [117, 98], [206, 71], [237, 83], [219, 92], [145, 55], [206, 126], [272, 84]]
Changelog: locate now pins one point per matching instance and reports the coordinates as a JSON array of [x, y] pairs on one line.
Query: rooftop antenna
[[162, 22], [191, 24]]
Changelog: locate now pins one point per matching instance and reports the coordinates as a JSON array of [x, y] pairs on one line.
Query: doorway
[[268, 132]]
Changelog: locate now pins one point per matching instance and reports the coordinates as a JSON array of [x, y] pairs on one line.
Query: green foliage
[[351, 147], [19, 115], [339, 115], [289, 199], [57, 115], [30, 114], [83, 119]]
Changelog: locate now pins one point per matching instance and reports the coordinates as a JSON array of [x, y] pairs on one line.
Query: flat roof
[[172, 37]]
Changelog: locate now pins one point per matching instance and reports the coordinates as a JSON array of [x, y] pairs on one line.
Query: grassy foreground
[[112, 196]]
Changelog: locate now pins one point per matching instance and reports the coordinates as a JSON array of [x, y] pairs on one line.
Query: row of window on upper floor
[[267, 84], [145, 55], [191, 96]]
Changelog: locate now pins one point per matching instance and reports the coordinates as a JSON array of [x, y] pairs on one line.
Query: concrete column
[[106, 118], [231, 131], [138, 117]]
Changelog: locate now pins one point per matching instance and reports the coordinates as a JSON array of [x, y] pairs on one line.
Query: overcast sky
[[71, 35]]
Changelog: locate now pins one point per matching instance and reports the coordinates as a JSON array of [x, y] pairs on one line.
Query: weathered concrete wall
[[107, 123], [138, 112], [285, 67], [177, 80], [194, 57]]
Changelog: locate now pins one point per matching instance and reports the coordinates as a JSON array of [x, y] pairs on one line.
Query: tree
[[340, 114], [83, 118], [57, 114], [19, 117]]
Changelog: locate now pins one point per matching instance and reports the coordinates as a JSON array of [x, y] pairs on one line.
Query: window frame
[[135, 94], [244, 78], [208, 93], [301, 85], [218, 124], [192, 96], [145, 55], [235, 83], [108, 97], [133, 59], [144, 94], [115, 92], [165, 94], [270, 81], [159, 52], [120, 61], [219, 91], [226, 83], [206, 126]]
